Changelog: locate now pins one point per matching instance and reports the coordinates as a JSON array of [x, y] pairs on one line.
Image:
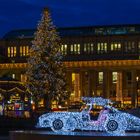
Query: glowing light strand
[[110, 120]]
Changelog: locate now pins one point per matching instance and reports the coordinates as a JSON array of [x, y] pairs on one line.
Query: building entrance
[[76, 93]]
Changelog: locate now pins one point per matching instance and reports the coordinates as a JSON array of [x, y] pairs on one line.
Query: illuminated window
[[114, 77], [100, 77], [129, 47], [139, 47], [89, 48], [75, 49], [12, 51], [132, 29], [71, 48], [115, 46], [9, 52], [15, 51], [99, 31], [78, 48], [101, 47], [75, 86], [24, 50], [23, 78], [20, 50], [64, 49], [13, 76], [27, 50]]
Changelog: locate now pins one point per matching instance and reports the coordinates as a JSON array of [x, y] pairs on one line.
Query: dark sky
[[22, 14]]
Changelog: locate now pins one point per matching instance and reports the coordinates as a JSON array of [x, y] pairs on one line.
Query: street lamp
[[137, 96]]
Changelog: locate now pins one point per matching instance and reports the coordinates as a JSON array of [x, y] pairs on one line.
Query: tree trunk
[[47, 102]]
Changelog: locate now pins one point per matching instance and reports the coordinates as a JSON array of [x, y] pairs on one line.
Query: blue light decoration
[[110, 119]]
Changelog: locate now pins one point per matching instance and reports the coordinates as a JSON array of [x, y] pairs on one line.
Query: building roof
[[79, 31], [8, 85], [23, 33]]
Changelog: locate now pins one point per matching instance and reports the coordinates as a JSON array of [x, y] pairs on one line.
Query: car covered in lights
[[109, 119]]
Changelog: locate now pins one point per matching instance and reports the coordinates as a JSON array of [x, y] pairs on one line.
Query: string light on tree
[[46, 74]]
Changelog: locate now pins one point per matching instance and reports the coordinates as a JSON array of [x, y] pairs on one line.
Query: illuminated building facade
[[100, 61]]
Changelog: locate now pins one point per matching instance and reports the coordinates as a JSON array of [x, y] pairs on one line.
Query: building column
[[133, 88], [69, 80], [119, 93], [77, 86], [90, 83], [106, 84], [94, 84], [82, 83]]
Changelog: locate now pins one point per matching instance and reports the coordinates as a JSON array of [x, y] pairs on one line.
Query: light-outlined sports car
[[109, 119]]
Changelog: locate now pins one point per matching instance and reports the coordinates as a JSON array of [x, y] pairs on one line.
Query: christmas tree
[[46, 74]]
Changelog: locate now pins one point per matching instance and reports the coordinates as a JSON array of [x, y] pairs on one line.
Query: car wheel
[[115, 125], [70, 124], [112, 125], [57, 125]]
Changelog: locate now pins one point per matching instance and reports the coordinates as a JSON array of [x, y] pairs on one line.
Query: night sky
[[25, 14]]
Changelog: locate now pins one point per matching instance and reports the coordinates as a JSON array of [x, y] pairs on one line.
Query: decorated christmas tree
[[45, 73]]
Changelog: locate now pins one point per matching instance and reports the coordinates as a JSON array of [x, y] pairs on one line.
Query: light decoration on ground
[[110, 119]]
